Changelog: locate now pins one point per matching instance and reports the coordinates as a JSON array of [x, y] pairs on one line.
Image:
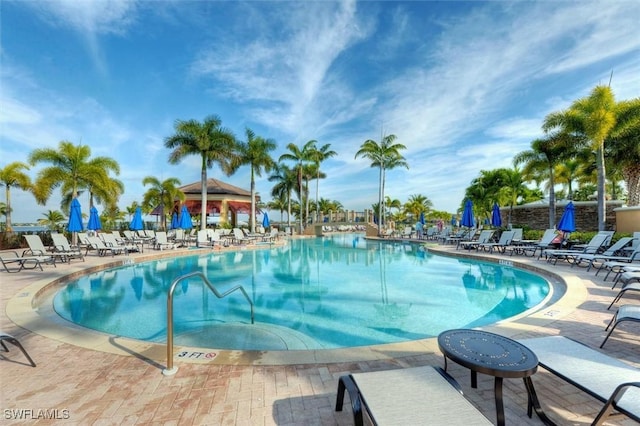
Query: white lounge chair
[[501, 245], [62, 245], [612, 253], [408, 396], [4, 337], [9, 258], [605, 378], [37, 248], [624, 313], [592, 247], [102, 249], [162, 243], [484, 237], [530, 249]]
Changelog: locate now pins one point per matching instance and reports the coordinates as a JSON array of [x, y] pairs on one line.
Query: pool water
[[329, 292]]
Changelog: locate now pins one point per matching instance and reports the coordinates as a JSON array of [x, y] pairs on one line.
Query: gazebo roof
[[214, 186]]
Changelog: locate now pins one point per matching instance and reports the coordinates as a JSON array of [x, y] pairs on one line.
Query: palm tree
[[300, 156], [51, 219], [417, 204], [317, 156], [211, 141], [567, 173], [512, 189], [72, 169], [161, 194], [542, 159], [623, 147], [384, 156], [279, 203], [12, 175], [287, 182], [255, 152], [594, 118]]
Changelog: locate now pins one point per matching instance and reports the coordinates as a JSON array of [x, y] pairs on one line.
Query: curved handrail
[[170, 368]]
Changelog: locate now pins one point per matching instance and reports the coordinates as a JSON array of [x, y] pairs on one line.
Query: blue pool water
[[330, 292]]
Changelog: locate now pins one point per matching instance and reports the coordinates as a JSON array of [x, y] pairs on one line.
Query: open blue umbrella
[[568, 220], [136, 222], [175, 224], [496, 219], [422, 218], [467, 215], [265, 220], [94, 220], [185, 219], [75, 217]]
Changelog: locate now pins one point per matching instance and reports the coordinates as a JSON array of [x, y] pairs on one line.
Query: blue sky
[[464, 85]]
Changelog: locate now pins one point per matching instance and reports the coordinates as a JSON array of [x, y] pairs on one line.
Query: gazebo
[[222, 198]]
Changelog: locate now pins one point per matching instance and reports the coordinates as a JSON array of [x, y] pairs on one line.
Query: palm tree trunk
[[602, 203], [203, 196], [8, 226], [252, 216], [632, 178], [317, 185], [380, 207], [552, 199]]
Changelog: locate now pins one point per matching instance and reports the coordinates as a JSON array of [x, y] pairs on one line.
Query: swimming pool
[[321, 293]]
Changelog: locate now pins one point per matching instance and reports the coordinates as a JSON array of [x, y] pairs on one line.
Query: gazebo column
[[224, 212]]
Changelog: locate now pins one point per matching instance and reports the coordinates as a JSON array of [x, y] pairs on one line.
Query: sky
[[463, 85]]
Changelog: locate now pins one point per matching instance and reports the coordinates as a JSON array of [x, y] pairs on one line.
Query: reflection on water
[[329, 292]]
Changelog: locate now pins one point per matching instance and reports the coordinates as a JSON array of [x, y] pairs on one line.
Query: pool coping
[[24, 310]]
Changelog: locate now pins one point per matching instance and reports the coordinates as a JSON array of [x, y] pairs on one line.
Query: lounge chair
[[612, 253], [239, 237], [630, 286], [102, 249], [37, 248], [203, 240], [501, 245], [624, 313], [62, 245], [484, 237], [9, 258], [4, 337], [607, 379], [162, 242], [530, 249], [618, 264], [592, 247], [111, 241], [409, 396]]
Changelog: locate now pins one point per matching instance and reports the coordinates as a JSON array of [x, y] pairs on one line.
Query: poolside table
[[497, 356]]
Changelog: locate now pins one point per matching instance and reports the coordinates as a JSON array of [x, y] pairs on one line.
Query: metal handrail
[[170, 370]]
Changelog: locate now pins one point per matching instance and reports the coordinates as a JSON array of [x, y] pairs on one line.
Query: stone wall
[[536, 216]]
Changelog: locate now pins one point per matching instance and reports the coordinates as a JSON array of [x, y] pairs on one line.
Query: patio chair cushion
[[409, 396]]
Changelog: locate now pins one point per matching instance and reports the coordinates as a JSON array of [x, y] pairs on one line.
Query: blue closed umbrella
[[496, 219], [568, 220], [94, 220], [453, 221], [265, 220], [75, 217], [422, 218], [467, 215], [136, 222], [185, 219], [175, 224]]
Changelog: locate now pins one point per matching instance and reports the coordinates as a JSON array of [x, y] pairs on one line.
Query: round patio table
[[497, 356]]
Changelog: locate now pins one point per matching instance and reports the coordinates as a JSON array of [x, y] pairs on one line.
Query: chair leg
[[15, 342]]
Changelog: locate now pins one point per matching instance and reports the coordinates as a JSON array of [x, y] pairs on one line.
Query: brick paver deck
[[81, 386]]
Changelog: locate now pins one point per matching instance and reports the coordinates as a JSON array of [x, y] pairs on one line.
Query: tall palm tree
[[161, 193], [287, 182], [12, 175], [542, 159], [417, 204], [567, 173], [318, 156], [299, 156], [384, 156], [213, 143], [73, 170], [623, 147], [594, 118], [255, 152]]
